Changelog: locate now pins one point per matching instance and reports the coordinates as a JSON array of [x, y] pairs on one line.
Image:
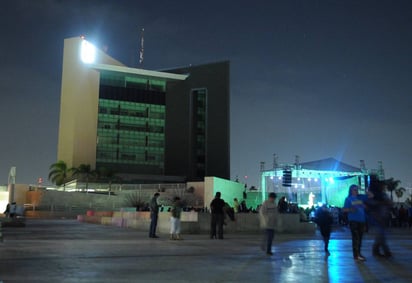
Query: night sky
[[311, 78]]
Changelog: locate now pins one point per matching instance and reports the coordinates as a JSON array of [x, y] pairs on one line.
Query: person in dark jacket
[[217, 219], [324, 220], [379, 208], [154, 213], [283, 205]]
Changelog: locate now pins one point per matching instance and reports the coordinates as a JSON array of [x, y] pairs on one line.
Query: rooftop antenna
[[141, 53], [297, 161], [262, 166], [275, 161], [381, 171], [362, 165]]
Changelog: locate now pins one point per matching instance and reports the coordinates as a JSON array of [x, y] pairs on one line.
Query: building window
[[199, 121], [130, 133]]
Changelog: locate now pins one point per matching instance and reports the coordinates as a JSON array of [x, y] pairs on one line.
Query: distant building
[[147, 126]]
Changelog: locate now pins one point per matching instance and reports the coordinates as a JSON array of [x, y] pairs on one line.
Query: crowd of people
[[358, 213]]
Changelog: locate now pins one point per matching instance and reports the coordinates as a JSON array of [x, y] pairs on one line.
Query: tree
[[84, 171], [59, 173], [399, 192], [133, 199], [391, 185], [409, 200], [109, 175]]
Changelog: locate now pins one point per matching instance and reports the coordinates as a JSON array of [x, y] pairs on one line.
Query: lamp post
[[12, 182]]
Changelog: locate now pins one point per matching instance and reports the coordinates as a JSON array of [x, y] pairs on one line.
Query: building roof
[[140, 72], [329, 164]]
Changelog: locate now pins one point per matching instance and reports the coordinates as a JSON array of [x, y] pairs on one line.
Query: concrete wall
[[199, 190], [199, 223], [229, 190], [19, 195]]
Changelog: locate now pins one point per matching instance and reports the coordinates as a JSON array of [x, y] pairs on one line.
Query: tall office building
[[150, 126]]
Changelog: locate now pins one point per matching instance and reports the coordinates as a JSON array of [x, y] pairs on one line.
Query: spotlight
[[87, 52]]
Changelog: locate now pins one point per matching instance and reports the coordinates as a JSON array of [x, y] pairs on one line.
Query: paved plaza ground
[[69, 251]]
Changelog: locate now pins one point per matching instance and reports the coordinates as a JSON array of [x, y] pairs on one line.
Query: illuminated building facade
[[148, 126]]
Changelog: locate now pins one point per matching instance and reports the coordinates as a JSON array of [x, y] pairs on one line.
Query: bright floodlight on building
[[87, 52]]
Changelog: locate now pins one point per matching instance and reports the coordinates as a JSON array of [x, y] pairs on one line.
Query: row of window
[[129, 120], [117, 79], [199, 98], [131, 109], [131, 127], [145, 157], [110, 141], [144, 113], [129, 135], [128, 105], [132, 95]]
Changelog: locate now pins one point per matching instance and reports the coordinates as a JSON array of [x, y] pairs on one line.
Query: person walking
[[267, 214], [13, 210], [175, 212], [154, 213], [283, 205], [379, 206], [324, 219], [410, 216], [7, 211], [355, 207], [217, 217], [236, 205]]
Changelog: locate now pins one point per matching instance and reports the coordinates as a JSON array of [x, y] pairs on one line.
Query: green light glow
[[329, 187]]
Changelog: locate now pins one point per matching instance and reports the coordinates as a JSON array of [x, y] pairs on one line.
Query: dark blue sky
[[316, 79]]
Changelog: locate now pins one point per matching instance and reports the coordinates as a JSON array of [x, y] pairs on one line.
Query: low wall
[[50, 214], [197, 222], [11, 222]]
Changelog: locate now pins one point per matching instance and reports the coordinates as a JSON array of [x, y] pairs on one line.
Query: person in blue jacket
[[355, 207]]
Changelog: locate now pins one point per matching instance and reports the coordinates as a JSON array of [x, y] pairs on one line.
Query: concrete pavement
[[69, 251]]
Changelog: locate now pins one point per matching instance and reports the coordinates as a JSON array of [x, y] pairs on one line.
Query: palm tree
[[391, 185], [399, 192], [107, 174], [85, 171], [59, 173]]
